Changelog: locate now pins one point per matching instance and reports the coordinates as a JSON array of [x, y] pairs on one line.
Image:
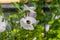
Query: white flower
[[57, 17], [31, 9], [28, 22], [1, 17], [47, 26], [34, 38], [2, 24]]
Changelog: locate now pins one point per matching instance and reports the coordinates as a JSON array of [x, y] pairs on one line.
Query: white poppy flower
[[47, 26], [27, 23], [31, 9], [2, 24]]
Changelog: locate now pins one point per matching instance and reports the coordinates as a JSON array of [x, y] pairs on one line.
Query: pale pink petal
[[32, 14]]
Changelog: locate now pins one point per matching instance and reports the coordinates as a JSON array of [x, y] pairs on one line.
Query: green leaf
[[51, 22]]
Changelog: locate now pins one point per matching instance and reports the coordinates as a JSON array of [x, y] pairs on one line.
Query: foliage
[[14, 31]]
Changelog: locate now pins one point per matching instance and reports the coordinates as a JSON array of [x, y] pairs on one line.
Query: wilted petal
[[28, 8], [31, 9], [32, 14]]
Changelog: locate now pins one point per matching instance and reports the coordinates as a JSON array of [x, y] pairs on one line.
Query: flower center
[[28, 22]]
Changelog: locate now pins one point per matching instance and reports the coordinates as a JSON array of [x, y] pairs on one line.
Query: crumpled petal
[[32, 14], [27, 8], [31, 9]]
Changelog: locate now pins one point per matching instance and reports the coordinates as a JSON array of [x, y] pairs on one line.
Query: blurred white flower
[[28, 22], [47, 26], [57, 17], [1, 17], [31, 9], [2, 24], [34, 38], [17, 22]]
